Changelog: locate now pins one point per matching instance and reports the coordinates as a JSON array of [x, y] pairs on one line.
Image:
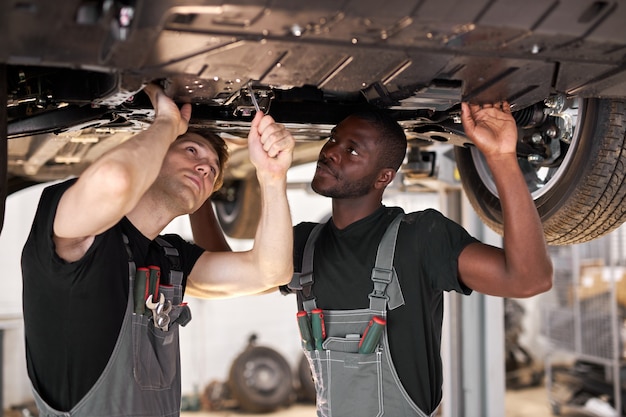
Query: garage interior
[[498, 354]]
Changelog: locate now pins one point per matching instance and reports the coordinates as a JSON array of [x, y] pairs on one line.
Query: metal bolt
[[536, 137], [551, 132], [296, 30]]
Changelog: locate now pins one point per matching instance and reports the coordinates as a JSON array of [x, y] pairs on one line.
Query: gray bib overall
[[142, 377], [349, 383]]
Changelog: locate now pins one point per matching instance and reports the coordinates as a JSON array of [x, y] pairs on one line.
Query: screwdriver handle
[[372, 334], [140, 290], [155, 278], [319, 328], [305, 330]]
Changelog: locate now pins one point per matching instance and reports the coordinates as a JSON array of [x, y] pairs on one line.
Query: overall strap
[[132, 269], [387, 292], [303, 281], [176, 273]]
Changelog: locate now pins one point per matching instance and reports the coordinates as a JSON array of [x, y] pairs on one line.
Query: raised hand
[[165, 108], [490, 127], [270, 145]]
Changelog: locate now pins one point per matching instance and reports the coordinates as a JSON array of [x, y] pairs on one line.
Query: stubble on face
[[342, 188], [175, 191]]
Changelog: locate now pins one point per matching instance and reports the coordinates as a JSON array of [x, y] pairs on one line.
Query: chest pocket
[[347, 382], [156, 347]]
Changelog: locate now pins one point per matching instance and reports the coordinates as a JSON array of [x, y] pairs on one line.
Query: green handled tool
[[372, 334], [305, 330], [319, 328], [140, 290]]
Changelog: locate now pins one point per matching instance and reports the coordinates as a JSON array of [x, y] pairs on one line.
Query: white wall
[[20, 209]]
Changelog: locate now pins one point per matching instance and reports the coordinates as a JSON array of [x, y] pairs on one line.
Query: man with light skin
[[89, 351]]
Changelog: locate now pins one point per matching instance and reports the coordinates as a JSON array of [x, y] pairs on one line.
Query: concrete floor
[[530, 402]]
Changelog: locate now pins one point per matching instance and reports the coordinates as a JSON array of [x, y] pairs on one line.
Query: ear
[[384, 178]]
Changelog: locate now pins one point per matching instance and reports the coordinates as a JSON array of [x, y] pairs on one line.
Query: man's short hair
[[392, 149], [220, 147]]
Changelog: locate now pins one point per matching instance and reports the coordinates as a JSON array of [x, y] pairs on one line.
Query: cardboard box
[[596, 279]]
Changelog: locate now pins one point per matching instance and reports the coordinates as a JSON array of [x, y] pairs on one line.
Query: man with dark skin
[[432, 255], [345, 174]]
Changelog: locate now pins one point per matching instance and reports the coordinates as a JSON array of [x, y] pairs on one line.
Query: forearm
[[112, 185], [270, 261], [139, 159], [527, 260], [273, 243], [263, 268]]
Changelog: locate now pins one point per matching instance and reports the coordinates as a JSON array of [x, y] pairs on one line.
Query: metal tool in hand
[[160, 311], [255, 103]]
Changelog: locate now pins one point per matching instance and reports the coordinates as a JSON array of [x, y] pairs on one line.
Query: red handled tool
[[319, 327], [372, 334], [305, 329]]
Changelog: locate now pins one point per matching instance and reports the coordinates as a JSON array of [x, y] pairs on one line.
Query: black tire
[[584, 198], [239, 208], [260, 380]]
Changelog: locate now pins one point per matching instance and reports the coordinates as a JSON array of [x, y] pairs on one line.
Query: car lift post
[[3, 193], [3, 143], [473, 335]]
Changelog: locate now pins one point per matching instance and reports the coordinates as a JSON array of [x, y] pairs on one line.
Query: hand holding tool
[[319, 328], [305, 329], [372, 334]]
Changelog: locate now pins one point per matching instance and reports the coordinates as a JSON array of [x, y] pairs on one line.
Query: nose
[[203, 169], [329, 151]]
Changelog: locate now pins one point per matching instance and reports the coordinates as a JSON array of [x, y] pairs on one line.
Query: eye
[[191, 149], [352, 151]]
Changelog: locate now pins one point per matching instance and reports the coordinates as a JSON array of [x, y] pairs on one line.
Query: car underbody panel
[[75, 69]]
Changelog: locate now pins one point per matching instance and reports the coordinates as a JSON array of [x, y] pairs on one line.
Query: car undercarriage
[[75, 70]]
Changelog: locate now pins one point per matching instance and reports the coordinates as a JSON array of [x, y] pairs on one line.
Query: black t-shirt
[[73, 311], [427, 249]]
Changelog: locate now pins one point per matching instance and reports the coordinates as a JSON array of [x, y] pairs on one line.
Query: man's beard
[[173, 195], [340, 190]]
